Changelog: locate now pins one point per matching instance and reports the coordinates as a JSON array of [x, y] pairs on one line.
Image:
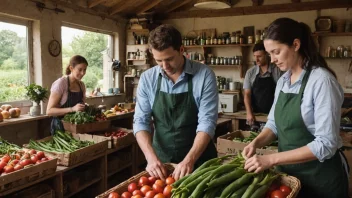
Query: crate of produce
[[123, 187], [116, 137], [235, 142], [83, 122], [67, 149]]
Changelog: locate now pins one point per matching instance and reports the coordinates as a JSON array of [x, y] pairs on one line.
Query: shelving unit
[[320, 35], [225, 45], [324, 34], [224, 65]]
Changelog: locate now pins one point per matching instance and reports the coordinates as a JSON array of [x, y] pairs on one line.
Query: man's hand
[[156, 169], [250, 119], [182, 169]]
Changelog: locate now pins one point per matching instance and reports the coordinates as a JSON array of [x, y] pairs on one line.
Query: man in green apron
[[181, 97]]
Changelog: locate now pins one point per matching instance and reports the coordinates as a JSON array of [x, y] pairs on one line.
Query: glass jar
[[241, 39], [217, 60], [215, 41], [250, 39], [333, 53], [233, 38], [221, 61], [207, 42], [228, 40], [257, 36], [347, 52], [212, 61], [237, 38], [339, 50], [226, 61], [233, 61]]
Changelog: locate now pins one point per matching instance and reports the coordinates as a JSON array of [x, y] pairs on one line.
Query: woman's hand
[[249, 150], [258, 163], [78, 107]]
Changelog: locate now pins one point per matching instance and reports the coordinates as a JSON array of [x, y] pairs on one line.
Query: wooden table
[[241, 115]]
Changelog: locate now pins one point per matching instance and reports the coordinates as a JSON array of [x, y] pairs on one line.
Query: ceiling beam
[[147, 5], [264, 9], [120, 6], [176, 5], [92, 3]]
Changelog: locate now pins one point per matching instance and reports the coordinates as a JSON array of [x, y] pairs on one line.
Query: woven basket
[[293, 183]]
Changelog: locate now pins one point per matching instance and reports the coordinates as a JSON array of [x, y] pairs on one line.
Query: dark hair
[[75, 60], [286, 30], [259, 47], [163, 37]]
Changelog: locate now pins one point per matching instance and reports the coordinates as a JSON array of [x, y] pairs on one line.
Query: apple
[[5, 114], [6, 107], [15, 112]]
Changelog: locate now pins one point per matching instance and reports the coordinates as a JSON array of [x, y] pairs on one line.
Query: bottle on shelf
[[257, 36]]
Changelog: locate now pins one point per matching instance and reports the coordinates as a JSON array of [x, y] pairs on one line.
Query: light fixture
[[212, 4]]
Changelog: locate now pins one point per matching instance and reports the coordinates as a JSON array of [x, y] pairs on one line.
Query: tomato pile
[[20, 160], [116, 134], [100, 117], [147, 187], [276, 191]]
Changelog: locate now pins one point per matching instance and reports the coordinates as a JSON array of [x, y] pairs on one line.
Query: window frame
[[29, 24], [91, 29]]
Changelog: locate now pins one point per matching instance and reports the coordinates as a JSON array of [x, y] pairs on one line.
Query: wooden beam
[[120, 6], [176, 5], [147, 5], [89, 11], [264, 9], [93, 3]]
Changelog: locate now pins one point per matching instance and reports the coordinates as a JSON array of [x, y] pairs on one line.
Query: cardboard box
[[123, 186], [80, 155], [27, 175], [87, 127], [226, 145]]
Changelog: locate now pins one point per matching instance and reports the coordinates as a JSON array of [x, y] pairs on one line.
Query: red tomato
[[277, 194], [143, 181], [137, 196], [18, 167], [137, 192], [159, 195], [8, 169], [145, 189], [14, 162], [126, 195], [151, 180], [132, 187], [285, 189], [157, 188], [167, 191], [25, 156], [6, 158], [32, 152], [40, 155], [2, 164], [26, 162], [170, 180], [44, 159], [150, 194], [34, 159], [160, 183], [114, 195], [17, 156], [272, 188]]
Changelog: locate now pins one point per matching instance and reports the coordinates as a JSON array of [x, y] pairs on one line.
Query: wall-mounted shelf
[[225, 65], [332, 34], [226, 45]]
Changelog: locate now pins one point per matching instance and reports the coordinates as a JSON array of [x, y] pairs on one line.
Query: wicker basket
[[293, 183]]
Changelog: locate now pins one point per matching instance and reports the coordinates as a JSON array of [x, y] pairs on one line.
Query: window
[[14, 59], [96, 48]]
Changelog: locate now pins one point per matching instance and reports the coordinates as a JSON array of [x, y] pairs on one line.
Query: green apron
[[176, 120], [326, 179]]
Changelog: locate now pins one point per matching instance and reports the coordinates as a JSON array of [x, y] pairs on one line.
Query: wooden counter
[[241, 115], [22, 119]]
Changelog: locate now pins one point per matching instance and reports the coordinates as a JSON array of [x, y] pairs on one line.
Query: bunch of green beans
[[225, 180]]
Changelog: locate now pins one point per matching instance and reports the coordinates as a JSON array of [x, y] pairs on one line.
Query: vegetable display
[[8, 148], [61, 142], [116, 134], [250, 138], [90, 114]]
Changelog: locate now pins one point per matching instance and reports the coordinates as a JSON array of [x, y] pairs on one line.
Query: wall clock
[[54, 48]]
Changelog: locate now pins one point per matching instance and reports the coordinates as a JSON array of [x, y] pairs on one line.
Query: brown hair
[[286, 30], [163, 37], [75, 60]]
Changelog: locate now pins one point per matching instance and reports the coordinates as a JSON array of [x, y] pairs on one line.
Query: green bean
[[223, 169], [250, 190], [178, 182], [239, 172], [211, 193], [260, 192], [238, 193], [199, 191], [246, 178], [194, 176]]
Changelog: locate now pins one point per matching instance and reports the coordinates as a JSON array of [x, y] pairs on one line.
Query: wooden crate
[[80, 155], [27, 175], [123, 186], [87, 127]]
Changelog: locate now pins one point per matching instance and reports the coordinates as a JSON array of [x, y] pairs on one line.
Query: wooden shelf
[[84, 187], [64, 168], [332, 34], [120, 169], [23, 118], [226, 45], [225, 65]]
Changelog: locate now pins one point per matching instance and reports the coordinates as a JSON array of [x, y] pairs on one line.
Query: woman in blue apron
[[68, 92], [305, 116]]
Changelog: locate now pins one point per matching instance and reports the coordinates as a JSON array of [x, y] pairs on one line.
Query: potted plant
[[36, 94]]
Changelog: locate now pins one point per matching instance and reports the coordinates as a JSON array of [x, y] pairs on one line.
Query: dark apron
[[262, 94], [326, 179], [176, 119], [73, 98]]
